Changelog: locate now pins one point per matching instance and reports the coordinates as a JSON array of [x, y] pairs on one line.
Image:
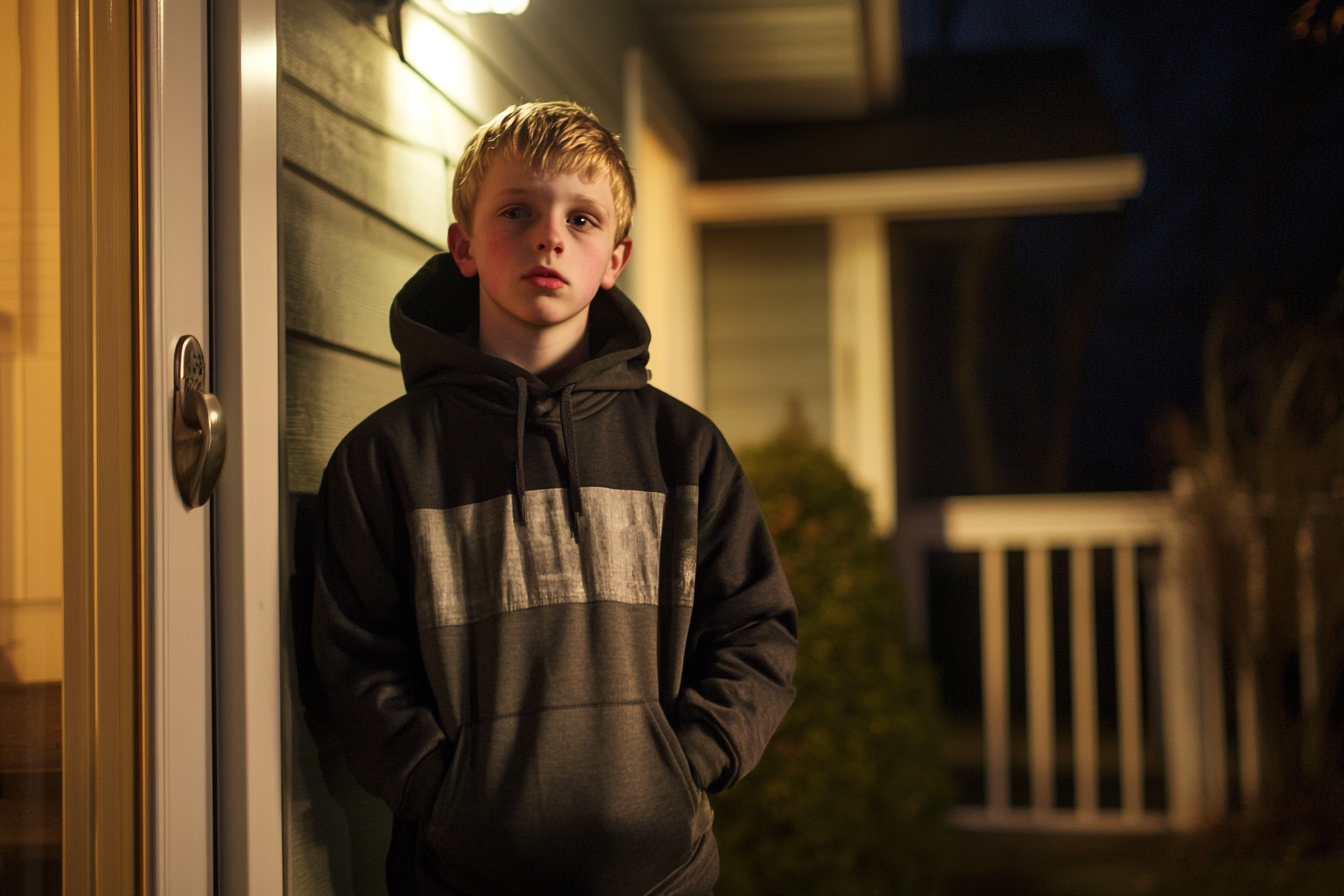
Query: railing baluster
[[1040, 681], [994, 674], [1128, 680], [1188, 670], [1082, 613]]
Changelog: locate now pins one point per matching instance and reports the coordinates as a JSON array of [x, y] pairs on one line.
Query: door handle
[[199, 434]]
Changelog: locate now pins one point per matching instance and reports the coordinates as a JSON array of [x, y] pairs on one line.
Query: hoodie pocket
[[594, 799]]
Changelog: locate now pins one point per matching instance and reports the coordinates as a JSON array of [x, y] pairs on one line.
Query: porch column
[[862, 415]]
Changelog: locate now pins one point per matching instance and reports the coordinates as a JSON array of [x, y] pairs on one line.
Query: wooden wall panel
[[328, 393], [342, 268], [406, 184], [343, 59]]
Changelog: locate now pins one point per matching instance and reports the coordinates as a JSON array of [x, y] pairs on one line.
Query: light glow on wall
[[444, 62], [477, 7]]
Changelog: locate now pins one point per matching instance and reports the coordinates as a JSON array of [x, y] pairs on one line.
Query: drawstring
[[520, 420], [568, 444], [571, 446]]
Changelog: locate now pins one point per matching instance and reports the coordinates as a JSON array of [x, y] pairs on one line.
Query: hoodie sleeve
[[743, 639], [365, 640]]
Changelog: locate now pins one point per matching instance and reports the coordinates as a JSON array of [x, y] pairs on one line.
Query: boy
[[549, 617]]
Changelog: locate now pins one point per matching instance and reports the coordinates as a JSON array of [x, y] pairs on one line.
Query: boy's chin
[[539, 312]]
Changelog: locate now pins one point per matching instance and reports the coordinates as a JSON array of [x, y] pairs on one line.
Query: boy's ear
[[620, 257], [460, 245]]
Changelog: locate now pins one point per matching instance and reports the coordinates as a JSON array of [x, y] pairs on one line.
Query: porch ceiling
[[782, 59]]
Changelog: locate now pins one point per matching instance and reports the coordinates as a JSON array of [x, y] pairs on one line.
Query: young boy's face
[[542, 245]]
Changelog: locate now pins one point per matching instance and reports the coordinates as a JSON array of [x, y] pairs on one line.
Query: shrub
[[851, 795]]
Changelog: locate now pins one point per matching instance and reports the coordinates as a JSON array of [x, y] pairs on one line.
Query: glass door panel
[[31, 574]]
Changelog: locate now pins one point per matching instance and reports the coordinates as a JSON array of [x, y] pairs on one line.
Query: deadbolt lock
[[199, 433]]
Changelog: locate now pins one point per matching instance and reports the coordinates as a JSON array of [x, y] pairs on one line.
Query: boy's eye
[[581, 220], [512, 213]]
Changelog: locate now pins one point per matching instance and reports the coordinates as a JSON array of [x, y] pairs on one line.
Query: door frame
[[171, 717], [212, 576], [178, 762], [248, 339]]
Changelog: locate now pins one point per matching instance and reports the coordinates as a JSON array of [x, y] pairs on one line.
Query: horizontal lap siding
[[328, 392], [458, 70], [403, 183], [341, 268], [368, 144], [345, 60]]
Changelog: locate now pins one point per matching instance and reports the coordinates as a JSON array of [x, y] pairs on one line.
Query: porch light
[[476, 7]]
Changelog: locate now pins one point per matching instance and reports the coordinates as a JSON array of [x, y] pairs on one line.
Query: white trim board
[[1067, 185], [179, 801]]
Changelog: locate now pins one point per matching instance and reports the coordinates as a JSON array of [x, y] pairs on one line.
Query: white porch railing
[[1188, 666]]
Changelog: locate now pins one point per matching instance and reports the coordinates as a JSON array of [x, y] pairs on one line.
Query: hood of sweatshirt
[[435, 323]]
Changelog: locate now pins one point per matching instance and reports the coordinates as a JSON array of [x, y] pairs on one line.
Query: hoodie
[[548, 617]]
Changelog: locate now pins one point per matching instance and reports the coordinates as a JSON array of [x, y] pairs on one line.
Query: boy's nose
[[550, 237]]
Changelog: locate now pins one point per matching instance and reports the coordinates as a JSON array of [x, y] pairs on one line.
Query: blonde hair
[[555, 138]]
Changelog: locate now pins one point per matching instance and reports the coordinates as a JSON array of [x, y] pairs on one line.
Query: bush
[[851, 795]]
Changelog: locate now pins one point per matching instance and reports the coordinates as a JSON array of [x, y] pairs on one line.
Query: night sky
[[1240, 121]]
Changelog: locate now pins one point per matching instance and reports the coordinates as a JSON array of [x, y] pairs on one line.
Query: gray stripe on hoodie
[[474, 561]]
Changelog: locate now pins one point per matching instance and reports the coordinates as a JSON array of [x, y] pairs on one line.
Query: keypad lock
[[199, 433]]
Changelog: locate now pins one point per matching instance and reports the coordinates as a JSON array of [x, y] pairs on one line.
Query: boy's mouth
[[544, 278]]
